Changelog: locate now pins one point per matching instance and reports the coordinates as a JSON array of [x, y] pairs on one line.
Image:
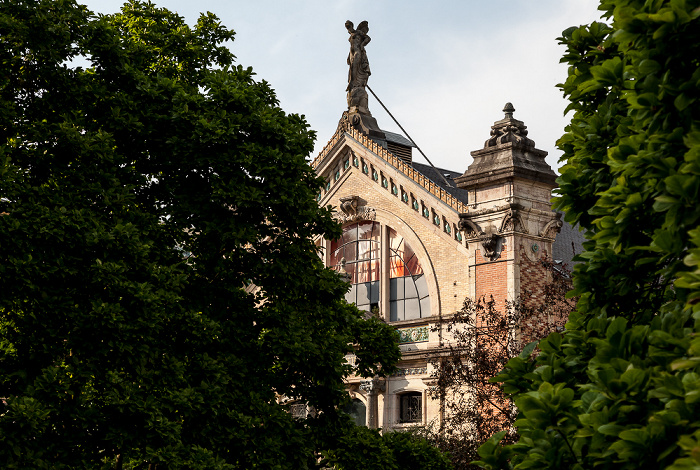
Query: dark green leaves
[[162, 293]]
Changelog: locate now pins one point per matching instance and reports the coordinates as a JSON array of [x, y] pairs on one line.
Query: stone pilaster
[[373, 387]]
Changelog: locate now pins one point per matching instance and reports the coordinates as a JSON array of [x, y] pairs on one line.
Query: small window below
[[411, 407], [298, 410]]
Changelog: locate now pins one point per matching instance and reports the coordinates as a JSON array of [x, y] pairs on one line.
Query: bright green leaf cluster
[[619, 389]]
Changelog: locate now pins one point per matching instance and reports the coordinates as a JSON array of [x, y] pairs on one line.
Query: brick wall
[[491, 277]]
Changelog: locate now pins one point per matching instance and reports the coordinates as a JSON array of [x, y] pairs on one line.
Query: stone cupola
[[507, 154], [510, 224]]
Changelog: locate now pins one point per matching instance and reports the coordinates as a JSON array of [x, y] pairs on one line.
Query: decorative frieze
[[373, 385], [361, 213], [433, 188], [410, 371], [413, 335]]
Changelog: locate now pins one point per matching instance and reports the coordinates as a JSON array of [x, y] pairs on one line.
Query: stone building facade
[[418, 240]]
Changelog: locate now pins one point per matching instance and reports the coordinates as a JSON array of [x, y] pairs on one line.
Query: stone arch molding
[[470, 229], [512, 222], [552, 228], [490, 240]]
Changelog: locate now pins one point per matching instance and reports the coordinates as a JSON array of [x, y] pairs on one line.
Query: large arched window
[[360, 246], [408, 288]]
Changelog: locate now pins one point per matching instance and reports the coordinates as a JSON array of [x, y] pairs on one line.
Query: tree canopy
[[619, 389], [161, 292]]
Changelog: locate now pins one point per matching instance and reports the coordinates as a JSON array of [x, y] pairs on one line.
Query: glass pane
[[410, 288], [363, 293], [367, 231], [350, 296], [396, 287], [396, 267], [349, 234], [421, 285], [374, 267], [335, 258], [363, 271], [395, 241], [350, 269], [407, 252], [394, 310], [400, 310], [411, 408], [425, 307], [374, 250], [412, 307], [335, 244], [413, 266], [374, 292], [349, 252], [364, 249], [357, 411]]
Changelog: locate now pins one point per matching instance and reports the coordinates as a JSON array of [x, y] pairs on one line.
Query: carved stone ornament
[[490, 246], [469, 228], [344, 123], [373, 385], [360, 213], [512, 222], [509, 130], [552, 228], [410, 371], [349, 205]]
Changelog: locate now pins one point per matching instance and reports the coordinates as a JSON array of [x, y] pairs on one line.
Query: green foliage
[[160, 288], [483, 340], [620, 388], [366, 448]]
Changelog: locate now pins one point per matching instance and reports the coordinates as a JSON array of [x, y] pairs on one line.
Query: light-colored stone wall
[[453, 264], [442, 256]]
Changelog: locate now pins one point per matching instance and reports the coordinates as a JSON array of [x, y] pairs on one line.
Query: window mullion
[[384, 253]]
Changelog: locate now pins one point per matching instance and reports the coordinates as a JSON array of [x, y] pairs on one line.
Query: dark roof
[[397, 139], [427, 170], [569, 242], [433, 174]]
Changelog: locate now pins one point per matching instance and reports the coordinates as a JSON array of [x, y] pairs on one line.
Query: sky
[[444, 69]]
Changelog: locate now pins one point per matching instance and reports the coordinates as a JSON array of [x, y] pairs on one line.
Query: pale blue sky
[[443, 68]]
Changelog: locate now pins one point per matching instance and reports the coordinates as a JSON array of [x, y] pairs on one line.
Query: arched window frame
[[407, 295]]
